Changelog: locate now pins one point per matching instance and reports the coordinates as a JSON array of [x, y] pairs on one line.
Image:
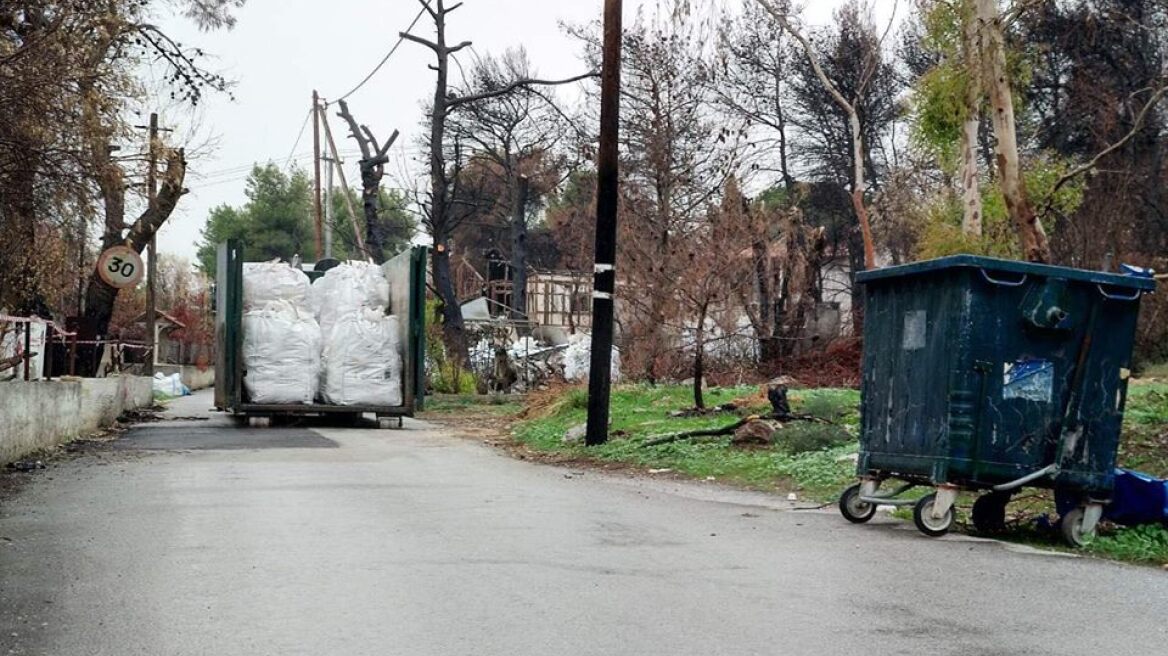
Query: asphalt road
[[201, 538]]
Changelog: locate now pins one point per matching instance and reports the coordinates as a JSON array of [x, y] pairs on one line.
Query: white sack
[[269, 282], [171, 385], [281, 352], [578, 359], [346, 289], [361, 363]]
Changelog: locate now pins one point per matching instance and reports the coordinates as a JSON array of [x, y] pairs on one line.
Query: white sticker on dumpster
[[915, 323], [1028, 379]]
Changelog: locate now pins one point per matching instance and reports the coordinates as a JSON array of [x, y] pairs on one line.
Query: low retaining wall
[[40, 414], [192, 376]]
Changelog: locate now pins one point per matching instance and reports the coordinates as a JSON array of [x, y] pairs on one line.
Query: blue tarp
[[1138, 498]]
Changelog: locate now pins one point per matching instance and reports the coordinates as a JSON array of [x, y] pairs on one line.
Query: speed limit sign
[[120, 267]]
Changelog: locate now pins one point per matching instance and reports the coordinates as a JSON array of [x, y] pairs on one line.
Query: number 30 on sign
[[120, 266]]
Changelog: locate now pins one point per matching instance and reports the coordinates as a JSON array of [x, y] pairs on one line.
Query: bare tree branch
[[1137, 125], [453, 103]]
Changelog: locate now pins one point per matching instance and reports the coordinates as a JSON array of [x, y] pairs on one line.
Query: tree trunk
[[99, 296], [971, 211], [371, 204], [1030, 231], [20, 276], [858, 188], [699, 367], [453, 330], [519, 250], [764, 328]]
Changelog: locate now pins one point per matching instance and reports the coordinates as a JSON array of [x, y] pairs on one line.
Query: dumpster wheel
[[1072, 528], [926, 523], [852, 508], [989, 512]]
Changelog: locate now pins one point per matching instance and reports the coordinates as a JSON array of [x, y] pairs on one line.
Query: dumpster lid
[[992, 264]]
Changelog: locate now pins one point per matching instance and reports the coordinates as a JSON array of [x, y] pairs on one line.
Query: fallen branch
[[704, 432], [730, 428]]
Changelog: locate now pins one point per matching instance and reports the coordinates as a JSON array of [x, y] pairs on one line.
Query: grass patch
[[807, 456], [812, 457], [1140, 544]]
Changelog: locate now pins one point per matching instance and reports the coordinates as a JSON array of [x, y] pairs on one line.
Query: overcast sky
[[281, 50]]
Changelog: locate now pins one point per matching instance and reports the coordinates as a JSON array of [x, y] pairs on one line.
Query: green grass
[[806, 456], [1140, 544], [809, 457]]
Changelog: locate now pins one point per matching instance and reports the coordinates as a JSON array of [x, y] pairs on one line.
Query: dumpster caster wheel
[[853, 509], [926, 523], [989, 513], [259, 422], [1072, 528], [385, 423]]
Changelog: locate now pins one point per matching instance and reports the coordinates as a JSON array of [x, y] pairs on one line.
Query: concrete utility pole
[[604, 274], [328, 209], [316, 171], [152, 252]]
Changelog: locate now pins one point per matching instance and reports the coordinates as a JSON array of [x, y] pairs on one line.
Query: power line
[[383, 59], [299, 134]]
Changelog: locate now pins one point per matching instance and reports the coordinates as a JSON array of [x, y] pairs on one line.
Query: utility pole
[[328, 209], [358, 231], [316, 170], [604, 273], [152, 254]]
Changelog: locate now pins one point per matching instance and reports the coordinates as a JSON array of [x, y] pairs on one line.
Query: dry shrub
[[549, 402]]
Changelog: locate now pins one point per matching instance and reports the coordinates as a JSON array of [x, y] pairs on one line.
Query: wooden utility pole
[[604, 274], [316, 173], [152, 252], [358, 232]]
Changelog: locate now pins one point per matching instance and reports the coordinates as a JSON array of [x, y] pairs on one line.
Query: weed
[[1144, 544]]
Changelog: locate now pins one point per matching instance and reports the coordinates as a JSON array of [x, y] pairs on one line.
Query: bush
[[804, 437]]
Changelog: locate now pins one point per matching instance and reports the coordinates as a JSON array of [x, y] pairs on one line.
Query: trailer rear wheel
[[933, 527], [852, 508]]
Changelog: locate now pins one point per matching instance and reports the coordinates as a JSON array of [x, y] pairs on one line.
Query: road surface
[[196, 537]]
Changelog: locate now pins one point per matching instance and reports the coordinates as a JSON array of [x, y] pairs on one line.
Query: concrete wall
[[40, 414], [192, 376]]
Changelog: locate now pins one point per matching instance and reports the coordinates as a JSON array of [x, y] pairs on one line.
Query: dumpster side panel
[[1038, 409], [909, 342], [407, 281], [228, 318]]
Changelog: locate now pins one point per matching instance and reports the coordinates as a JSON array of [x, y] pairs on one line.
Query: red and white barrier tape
[[4, 318]]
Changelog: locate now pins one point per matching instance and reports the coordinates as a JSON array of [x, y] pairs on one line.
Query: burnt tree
[[374, 157]]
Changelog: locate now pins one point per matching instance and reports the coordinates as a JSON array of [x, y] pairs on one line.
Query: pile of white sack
[[361, 363], [281, 339], [281, 352], [578, 359], [330, 339]]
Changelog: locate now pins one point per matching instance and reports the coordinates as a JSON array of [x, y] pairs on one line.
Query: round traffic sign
[[120, 267]]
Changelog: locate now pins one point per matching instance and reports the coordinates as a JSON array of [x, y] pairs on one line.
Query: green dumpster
[[987, 374]]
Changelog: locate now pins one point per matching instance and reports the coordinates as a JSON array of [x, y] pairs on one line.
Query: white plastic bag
[[346, 289], [578, 359], [171, 385], [361, 364], [281, 353], [270, 282]]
